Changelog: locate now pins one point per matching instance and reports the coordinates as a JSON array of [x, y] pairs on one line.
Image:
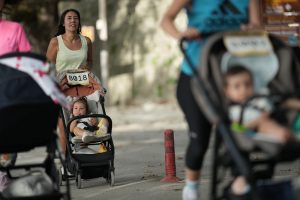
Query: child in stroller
[[86, 130], [87, 126], [238, 89]]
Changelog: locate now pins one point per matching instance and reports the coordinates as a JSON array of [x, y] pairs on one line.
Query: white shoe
[[91, 137], [88, 137], [190, 194], [63, 172], [76, 140]]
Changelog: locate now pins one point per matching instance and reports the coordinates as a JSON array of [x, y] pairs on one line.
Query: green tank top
[[70, 59]]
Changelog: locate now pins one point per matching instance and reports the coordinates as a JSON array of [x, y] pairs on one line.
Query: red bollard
[[170, 157]]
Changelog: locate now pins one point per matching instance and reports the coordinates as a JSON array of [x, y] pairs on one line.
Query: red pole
[[170, 167]]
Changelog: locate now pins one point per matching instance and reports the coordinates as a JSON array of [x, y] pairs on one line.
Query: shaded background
[[143, 61]]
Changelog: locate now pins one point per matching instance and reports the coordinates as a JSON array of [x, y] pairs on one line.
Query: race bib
[[245, 44], [78, 77]]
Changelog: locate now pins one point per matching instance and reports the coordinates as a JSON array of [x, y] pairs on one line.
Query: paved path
[[139, 160]]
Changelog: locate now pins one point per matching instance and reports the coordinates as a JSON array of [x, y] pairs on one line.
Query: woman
[[204, 16], [12, 39], [69, 50]]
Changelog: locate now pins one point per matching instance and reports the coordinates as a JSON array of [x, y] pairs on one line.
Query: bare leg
[[192, 175], [62, 136], [78, 132]]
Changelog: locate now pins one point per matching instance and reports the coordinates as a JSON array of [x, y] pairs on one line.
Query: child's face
[[239, 87], [79, 109]]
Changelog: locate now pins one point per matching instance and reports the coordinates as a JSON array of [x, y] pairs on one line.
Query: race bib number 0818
[[78, 78]]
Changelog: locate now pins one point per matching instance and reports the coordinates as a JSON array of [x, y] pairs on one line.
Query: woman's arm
[[254, 16], [168, 25], [52, 50], [292, 104]]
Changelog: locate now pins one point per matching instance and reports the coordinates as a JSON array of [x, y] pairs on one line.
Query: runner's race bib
[[80, 77], [248, 43]]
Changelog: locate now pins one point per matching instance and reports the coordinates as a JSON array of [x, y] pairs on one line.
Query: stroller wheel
[[78, 181], [111, 178]]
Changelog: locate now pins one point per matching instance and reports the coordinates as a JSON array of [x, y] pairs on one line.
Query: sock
[[191, 190], [193, 185]]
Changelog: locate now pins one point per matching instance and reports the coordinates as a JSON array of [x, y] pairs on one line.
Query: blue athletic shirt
[[210, 16]]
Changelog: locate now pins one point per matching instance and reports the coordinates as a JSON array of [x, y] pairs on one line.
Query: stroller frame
[[78, 163], [223, 134]]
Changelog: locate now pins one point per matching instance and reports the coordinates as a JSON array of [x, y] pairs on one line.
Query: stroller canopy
[[29, 102]]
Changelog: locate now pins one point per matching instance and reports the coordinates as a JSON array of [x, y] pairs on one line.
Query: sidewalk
[[138, 134], [147, 116]]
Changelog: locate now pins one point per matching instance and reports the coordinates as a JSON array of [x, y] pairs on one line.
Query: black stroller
[[29, 119], [81, 164], [230, 150]]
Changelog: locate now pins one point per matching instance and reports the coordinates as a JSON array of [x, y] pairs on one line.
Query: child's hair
[[236, 70], [83, 101]]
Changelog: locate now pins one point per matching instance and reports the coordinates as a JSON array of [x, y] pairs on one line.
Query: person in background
[[204, 18], [12, 39]]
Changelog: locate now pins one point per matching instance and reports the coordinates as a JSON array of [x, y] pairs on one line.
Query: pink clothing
[[13, 37]]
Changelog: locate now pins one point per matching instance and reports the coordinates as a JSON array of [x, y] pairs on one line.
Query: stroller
[[79, 163], [27, 93], [278, 66]]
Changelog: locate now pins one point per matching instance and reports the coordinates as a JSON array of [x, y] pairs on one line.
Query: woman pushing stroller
[[203, 17], [69, 50]]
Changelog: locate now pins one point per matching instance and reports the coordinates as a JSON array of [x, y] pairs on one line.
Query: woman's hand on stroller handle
[[190, 33]]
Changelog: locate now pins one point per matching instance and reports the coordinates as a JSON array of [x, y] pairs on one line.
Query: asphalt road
[[138, 134]]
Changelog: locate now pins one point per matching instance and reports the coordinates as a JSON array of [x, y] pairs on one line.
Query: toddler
[[86, 129], [238, 88]]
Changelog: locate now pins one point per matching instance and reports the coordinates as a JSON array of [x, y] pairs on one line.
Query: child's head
[[238, 84], [80, 107]]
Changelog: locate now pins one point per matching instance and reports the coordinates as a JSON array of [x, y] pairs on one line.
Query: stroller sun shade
[[28, 115]]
